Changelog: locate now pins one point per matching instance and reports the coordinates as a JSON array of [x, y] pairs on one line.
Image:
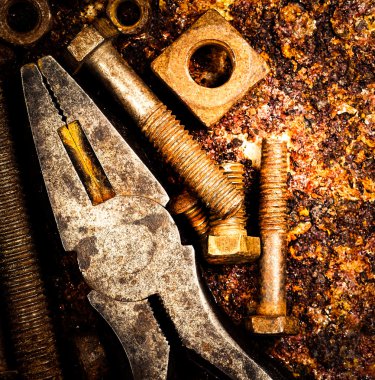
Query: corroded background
[[320, 97]]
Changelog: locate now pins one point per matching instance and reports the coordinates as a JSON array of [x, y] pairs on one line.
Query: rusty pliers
[[109, 209]]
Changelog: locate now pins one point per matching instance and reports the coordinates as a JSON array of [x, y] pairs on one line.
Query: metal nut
[[144, 9], [43, 22], [210, 104]]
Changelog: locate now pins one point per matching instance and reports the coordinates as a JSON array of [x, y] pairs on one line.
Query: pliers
[[110, 210]]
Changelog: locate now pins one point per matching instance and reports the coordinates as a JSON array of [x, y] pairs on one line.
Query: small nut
[[232, 249], [144, 9], [274, 325]]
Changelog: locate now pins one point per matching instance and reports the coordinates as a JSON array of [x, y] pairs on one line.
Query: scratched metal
[[128, 247]]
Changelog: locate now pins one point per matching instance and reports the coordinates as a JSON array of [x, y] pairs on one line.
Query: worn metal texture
[[320, 93], [210, 104], [157, 123], [43, 24], [143, 7], [128, 247], [32, 335], [136, 327]]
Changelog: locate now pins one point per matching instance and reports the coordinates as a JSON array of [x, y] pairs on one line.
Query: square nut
[[210, 104], [232, 249]]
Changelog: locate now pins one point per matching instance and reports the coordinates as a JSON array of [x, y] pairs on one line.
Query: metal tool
[[271, 315], [38, 16], [128, 246], [31, 331], [178, 148], [210, 104]]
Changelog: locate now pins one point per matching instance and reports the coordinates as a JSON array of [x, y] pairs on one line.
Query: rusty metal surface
[[210, 104], [43, 23], [187, 204], [320, 91], [128, 247]]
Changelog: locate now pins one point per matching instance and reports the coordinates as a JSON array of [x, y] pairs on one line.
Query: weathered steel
[[187, 204], [228, 242], [140, 23]]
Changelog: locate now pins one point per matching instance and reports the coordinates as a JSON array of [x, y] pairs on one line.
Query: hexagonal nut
[[272, 325], [232, 249]]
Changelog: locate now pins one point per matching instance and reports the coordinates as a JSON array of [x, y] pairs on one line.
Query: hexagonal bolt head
[[232, 249], [272, 325]]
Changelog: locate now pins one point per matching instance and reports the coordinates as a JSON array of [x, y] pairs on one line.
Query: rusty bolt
[[30, 325], [187, 204], [271, 313], [228, 242], [169, 137]]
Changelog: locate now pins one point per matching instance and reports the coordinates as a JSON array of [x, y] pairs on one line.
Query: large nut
[[210, 104], [232, 249]]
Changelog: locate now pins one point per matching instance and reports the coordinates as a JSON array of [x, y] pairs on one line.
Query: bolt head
[[272, 325], [232, 249]]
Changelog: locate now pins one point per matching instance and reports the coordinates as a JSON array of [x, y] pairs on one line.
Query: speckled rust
[[321, 92]]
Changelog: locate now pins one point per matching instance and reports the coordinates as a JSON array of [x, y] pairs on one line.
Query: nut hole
[[128, 13], [23, 16], [211, 65]]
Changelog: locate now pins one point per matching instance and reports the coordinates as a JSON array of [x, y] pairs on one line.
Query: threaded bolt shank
[[188, 205], [31, 329]]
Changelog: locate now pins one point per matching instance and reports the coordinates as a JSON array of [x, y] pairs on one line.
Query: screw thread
[[29, 321], [188, 205], [235, 224], [187, 158], [273, 187]]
